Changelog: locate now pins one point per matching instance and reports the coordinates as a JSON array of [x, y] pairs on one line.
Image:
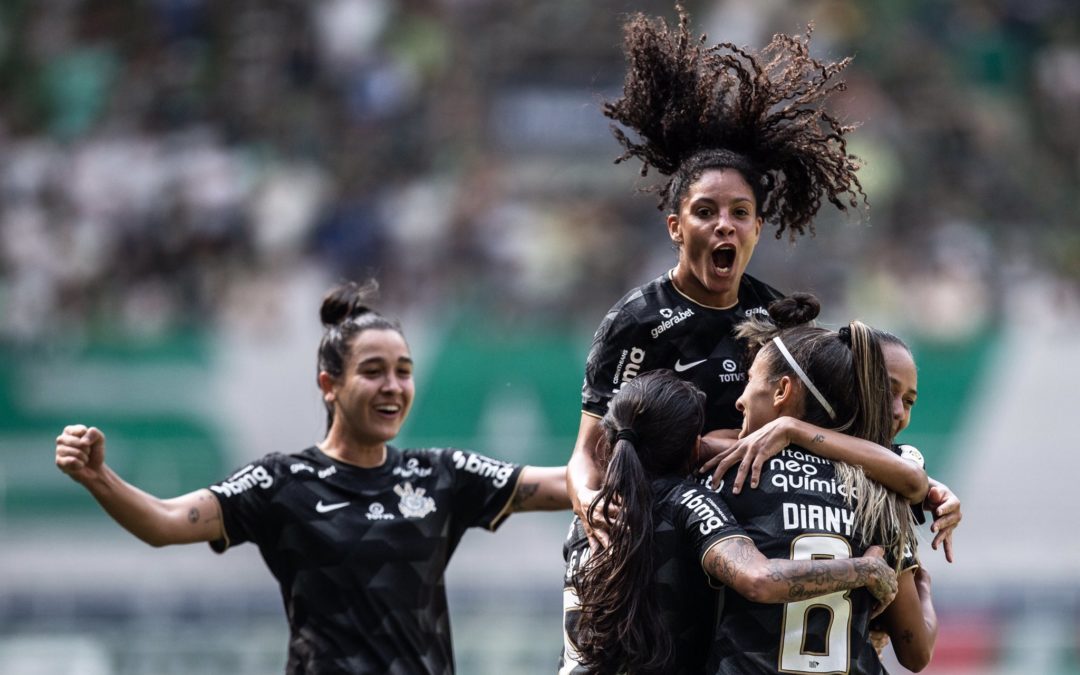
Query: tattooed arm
[[196, 516], [541, 488], [737, 563]]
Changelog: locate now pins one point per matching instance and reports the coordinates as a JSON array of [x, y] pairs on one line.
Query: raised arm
[[582, 474], [541, 488], [737, 563], [880, 464], [194, 517], [911, 621]]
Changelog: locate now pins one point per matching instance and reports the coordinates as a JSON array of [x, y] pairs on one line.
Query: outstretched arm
[[880, 464], [541, 488], [194, 517], [737, 563]]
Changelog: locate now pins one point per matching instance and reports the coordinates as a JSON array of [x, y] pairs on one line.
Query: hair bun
[[794, 310], [347, 301]]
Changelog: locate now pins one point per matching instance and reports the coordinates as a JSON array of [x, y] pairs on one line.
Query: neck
[[689, 287], [349, 450]]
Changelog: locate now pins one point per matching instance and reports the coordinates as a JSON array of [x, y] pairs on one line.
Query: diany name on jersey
[[818, 517]]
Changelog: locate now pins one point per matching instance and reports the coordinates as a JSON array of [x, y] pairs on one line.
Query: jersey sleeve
[[704, 518], [244, 497], [618, 352], [912, 454], [482, 488]]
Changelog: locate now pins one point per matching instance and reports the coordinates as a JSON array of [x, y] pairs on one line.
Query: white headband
[[802, 376]]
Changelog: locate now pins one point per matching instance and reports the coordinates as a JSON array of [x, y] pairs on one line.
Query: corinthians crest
[[413, 503]]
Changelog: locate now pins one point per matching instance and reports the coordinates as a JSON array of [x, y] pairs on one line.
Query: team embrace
[[741, 505]]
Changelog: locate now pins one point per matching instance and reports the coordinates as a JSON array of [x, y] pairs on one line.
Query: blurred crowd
[[161, 156]]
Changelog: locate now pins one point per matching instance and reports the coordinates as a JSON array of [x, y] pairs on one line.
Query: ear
[[785, 392], [674, 231], [326, 385], [695, 454]]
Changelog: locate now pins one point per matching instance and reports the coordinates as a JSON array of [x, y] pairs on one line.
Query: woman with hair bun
[[357, 532], [809, 507], [644, 601]]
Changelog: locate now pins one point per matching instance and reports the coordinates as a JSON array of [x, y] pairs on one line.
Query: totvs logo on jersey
[[498, 471]]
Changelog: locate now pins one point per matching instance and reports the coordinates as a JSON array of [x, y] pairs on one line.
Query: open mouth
[[388, 408], [724, 258]]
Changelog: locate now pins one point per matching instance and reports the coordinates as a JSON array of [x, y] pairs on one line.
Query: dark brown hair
[[650, 430], [345, 313], [695, 108]]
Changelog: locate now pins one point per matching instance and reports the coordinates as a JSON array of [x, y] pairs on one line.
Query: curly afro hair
[[695, 108]]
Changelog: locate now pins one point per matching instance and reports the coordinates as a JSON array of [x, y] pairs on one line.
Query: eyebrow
[[379, 359], [914, 392]]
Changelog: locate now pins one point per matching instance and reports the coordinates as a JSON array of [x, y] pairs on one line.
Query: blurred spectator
[[167, 150]]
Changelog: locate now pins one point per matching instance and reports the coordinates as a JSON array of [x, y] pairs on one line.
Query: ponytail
[[650, 430]]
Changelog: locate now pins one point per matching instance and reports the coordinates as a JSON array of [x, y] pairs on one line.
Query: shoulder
[[753, 289], [263, 473], [464, 464], [910, 453], [639, 305]]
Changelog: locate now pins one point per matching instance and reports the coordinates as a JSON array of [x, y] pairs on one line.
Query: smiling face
[[758, 402], [371, 399], [903, 383], [716, 230]]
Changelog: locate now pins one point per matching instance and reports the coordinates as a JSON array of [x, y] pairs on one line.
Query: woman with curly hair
[[742, 139]]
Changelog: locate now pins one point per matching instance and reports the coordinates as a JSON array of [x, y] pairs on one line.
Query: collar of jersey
[[671, 278]]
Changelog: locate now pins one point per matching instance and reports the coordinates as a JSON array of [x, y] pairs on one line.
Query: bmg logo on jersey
[[244, 479], [705, 509], [498, 471]]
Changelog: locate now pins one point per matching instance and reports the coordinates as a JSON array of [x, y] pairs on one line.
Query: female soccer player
[[808, 507], [742, 139], [644, 603], [357, 532]]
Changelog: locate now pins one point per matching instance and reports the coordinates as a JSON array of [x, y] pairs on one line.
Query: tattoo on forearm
[[524, 492], [193, 515], [908, 637], [799, 579], [820, 438]]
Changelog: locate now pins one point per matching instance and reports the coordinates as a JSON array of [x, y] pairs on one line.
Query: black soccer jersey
[[687, 519], [798, 512], [655, 326], [359, 554]]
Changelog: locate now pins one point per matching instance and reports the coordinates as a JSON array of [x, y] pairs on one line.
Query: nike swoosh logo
[[680, 367], [327, 508]]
